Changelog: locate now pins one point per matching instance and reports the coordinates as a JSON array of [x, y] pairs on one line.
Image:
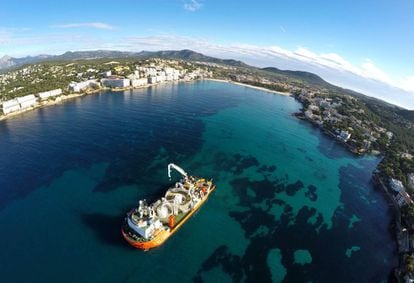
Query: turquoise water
[[291, 205]]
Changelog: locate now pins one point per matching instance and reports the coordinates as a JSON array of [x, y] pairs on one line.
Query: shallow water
[[290, 203]]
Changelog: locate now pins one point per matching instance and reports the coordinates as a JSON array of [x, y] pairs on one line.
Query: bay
[[291, 204]]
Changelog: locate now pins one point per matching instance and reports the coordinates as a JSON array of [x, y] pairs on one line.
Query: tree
[[409, 263]]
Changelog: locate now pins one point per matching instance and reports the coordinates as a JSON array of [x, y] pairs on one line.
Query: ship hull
[[163, 235]]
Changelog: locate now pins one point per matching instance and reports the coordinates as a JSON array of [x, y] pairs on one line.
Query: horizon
[[363, 46]]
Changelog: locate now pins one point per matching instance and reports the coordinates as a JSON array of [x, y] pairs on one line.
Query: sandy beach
[[251, 86]]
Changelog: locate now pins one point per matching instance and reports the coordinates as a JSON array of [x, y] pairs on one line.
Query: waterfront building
[[78, 87], [150, 72], [344, 136], [133, 76], [115, 82], [152, 79], [47, 94], [10, 106], [396, 185], [139, 82], [161, 76], [400, 195], [176, 75], [403, 198], [26, 101], [169, 71]]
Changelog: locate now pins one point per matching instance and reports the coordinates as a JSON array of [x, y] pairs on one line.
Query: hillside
[[390, 113], [9, 63], [307, 77]]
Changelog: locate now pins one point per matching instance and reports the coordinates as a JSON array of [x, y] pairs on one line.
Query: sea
[[291, 204]]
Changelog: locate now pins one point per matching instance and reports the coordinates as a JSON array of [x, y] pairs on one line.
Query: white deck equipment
[[179, 170]]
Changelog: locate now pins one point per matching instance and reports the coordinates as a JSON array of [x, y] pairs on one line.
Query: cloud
[[193, 5], [7, 34], [364, 76], [407, 83], [97, 25], [20, 43], [369, 70], [366, 69], [5, 37]]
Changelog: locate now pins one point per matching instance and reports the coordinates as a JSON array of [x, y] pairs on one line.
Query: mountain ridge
[[8, 62]]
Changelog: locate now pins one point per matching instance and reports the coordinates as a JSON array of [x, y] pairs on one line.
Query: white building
[[400, 194], [161, 78], [344, 136], [78, 87], [116, 82], [106, 74], [48, 94], [403, 198], [152, 80], [133, 76], [147, 71], [139, 82], [396, 185], [11, 106], [151, 71], [26, 101], [169, 71]]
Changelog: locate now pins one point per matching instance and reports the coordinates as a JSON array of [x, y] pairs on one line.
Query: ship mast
[[179, 170]]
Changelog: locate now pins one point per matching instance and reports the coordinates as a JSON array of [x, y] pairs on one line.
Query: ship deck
[[179, 220]]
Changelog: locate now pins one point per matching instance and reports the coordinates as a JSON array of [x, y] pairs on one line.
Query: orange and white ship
[[149, 226]]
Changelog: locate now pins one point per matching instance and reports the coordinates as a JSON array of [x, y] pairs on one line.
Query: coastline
[[64, 97], [400, 235], [249, 86], [57, 100]]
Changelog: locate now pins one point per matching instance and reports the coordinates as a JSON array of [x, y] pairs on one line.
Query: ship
[[148, 226]]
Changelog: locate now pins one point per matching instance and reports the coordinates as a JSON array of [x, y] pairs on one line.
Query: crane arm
[[179, 170]]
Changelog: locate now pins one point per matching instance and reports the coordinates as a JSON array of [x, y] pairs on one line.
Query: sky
[[366, 45]]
